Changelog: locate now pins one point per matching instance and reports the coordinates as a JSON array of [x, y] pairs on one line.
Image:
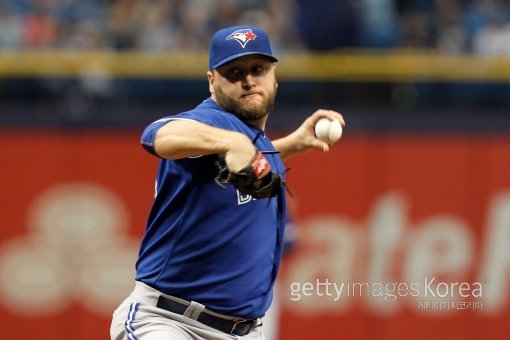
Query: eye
[[234, 72], [257, 70]]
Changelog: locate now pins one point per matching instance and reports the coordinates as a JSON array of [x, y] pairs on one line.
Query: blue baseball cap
[[234, 42]]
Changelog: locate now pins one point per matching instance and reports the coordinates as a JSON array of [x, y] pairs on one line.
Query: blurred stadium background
[[410, 211]]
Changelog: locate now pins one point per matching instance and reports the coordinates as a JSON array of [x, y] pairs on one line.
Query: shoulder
[[208, 112]]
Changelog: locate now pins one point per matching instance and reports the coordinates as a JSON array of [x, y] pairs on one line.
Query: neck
[[260, 123]]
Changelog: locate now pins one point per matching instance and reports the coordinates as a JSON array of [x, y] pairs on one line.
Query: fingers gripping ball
[[328, 131], [256, 179]]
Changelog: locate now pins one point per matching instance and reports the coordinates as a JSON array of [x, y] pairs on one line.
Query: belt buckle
[[240, 322]]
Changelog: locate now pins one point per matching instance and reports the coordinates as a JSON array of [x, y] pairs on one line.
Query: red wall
[[377, 212]]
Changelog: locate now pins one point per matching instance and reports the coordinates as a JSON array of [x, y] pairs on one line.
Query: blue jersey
[[208, 244]]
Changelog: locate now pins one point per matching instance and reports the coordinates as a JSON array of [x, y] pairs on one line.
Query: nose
[[248, 82]]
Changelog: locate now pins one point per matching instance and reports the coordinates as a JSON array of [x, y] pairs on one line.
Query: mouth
[[251, 95]]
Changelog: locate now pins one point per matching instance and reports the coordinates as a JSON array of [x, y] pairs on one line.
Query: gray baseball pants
[[138, 318]]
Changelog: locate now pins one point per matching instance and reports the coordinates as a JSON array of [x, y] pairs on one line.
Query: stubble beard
[[245, 111]]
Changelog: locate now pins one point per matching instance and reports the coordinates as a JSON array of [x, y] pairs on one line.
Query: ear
[[210, 79], [276, 82]]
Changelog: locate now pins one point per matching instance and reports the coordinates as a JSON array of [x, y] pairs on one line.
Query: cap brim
[[239, 55]]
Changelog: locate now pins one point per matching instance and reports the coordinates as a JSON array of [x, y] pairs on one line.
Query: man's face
[[245, 87]]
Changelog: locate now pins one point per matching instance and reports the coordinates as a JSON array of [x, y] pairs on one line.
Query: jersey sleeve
[[149, 134], [209, 118]]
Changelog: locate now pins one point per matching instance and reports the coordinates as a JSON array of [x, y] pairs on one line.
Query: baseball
[[328, 131]]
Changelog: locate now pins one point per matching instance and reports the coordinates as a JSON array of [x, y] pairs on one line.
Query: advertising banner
[[398, 236]]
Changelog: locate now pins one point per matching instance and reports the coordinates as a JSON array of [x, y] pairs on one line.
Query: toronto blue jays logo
[[244, 198], [242, 36]]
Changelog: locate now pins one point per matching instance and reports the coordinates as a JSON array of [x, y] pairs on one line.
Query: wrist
[[240, 151], [238, 142]]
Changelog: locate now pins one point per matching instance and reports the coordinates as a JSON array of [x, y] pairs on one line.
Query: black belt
[[240, 328]]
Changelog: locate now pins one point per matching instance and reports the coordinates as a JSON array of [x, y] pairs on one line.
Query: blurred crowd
[[453, 26]]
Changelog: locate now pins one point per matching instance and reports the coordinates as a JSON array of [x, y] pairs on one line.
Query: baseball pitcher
[[212, 246]]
